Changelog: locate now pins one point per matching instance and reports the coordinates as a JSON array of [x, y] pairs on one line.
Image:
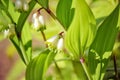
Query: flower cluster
[[38, 21], [56, 42], [21, 5]]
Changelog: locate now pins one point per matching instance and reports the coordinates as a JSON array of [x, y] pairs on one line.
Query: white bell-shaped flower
[[60, 44], [25, 6], [18, 4], [38, 21], [52, 42]]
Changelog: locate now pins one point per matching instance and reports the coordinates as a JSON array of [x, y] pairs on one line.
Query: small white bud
[[60, 44], [25, 6], [6, 33], [41, 20], [38, 21], [18, 4], [9, 33]]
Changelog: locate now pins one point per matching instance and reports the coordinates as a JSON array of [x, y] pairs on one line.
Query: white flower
[[21, 5], [6, 32], [52, 42], [53, 39], [38, 21], [41, 20], [25, 6], [18, 4], [60, 44], [55, 42]]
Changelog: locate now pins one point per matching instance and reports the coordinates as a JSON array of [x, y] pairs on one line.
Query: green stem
[[58, 69], [115, 67], [23, 53], [82, 60], [44, 37]]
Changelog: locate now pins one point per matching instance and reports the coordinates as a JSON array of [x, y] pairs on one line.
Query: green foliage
[[43, 3], [89, 44], [65, 12], [82, 29], [101, 48], [37, 68], [23, 17]]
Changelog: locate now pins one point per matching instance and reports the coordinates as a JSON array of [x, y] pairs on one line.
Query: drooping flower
[[52, 42], [56, 42], [21, 5], [60, 44], [38, 21]]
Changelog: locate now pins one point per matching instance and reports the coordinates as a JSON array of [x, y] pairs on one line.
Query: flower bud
[[10, 32], [18, 4], [21, 5], [38, 22], [25, 6]]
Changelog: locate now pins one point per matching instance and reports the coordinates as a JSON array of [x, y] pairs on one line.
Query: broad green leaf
[[101, 48], [2, 6], [37, 68], [24, 16], [48, 61], [65, 13], [6, 3], [16, 43], [27, 41], [82, 29], [43, 3]]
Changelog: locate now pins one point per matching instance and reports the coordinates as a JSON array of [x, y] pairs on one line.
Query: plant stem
[[24, 53], [82, 60], [115, 67], [58, 69], [44, 37]]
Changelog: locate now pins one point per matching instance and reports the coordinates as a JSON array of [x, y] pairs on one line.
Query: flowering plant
[[85, 43]]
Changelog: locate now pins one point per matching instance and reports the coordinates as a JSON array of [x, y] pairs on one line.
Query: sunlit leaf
[[101, 48], [6, 3], [82, 29], [37, 68], [27, 41], [65, 13], [43, 3], [48, 61], [16, 43]]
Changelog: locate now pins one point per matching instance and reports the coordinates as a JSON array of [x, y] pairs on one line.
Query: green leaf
[[101, 48], [82, 29], [16, 43], [27, 41], [6, 3], [24, 16], [65, 13], [37, 68], [48, 61], [43, 3]]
